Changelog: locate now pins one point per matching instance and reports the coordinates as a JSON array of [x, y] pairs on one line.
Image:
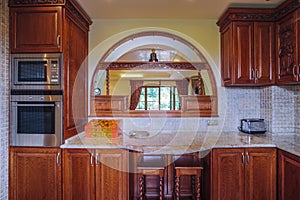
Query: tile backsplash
[[278, 105], [4, 99]]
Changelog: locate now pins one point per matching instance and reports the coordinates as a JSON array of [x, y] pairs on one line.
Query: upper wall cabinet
[[288, 49], [36, 29], [247, 47], [261, 46], [45, 26]]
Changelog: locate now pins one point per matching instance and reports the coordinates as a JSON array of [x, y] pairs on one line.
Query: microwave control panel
[[54, 71]]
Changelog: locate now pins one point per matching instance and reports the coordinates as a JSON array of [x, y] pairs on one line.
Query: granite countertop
[[187, 142]]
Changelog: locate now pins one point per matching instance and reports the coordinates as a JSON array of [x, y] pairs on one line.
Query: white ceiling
[[196, 9]]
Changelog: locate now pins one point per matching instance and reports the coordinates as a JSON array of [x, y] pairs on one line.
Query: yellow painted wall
[[204, 32]]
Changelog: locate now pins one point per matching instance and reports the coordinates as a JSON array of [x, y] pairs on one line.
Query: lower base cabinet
[[243, 173], [95, 174], [35, 173], [288, 176]]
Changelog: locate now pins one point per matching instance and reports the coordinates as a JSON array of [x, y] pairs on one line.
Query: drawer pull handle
[[58, 41], [248, 158], [243, 158], [91, 159], [97, 158], [58, 159]]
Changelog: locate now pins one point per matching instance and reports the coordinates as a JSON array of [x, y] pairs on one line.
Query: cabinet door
[[228, 174], [286, 50], [79, 179], [260, 175], [298, 42], [264, 54], [226, 55], [35, 173], [112, 176], [75, 81], [288, 176], [243, 53], [36, 29]]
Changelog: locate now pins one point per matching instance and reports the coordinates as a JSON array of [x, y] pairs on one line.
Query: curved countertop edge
[[286, 142]]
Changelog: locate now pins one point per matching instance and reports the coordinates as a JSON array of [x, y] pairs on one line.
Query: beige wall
[[204, 32]]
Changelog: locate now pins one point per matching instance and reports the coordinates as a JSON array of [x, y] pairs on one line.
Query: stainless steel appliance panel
[[36, 120], [38, 71]]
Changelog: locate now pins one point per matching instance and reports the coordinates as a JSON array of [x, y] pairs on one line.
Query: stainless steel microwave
[[41, 71]]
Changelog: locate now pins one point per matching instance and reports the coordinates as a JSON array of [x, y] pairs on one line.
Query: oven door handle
[[36, 105]]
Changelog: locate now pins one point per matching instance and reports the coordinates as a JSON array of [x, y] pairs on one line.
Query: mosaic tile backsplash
[[4, 99], [279, 106]]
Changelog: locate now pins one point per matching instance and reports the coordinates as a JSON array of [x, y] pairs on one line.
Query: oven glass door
[[36, 123], [37, 118]]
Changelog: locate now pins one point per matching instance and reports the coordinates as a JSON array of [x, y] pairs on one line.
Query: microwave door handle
[[36, 105]]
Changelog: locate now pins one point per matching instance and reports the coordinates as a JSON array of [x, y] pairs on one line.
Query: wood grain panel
[[288, 176], [260, 176], [79, 174], [35, 173], [36, 29]]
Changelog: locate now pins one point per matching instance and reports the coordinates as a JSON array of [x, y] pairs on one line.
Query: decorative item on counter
[[153, 57], [97, 91], [101, 127]]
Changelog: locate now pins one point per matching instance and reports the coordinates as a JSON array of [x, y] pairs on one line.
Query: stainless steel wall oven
[[36, 118]]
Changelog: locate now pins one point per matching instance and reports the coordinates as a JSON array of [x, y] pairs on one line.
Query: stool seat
[[151, 165], [188, 165]]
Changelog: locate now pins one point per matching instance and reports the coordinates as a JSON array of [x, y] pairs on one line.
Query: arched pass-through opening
[[170, 49]]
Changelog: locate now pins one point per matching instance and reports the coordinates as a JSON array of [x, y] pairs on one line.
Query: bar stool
[[188, 165], [151, 165]]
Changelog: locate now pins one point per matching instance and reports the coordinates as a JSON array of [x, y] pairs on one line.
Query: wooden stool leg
[[141, 186], [193, 186], [198, 187], [160, 188], [177, 187]]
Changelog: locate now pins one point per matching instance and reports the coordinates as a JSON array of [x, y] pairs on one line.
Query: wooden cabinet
[[36, 29], [75, 75], [35, 173], [78, 174], [247, 49], [112, 175], [261, 46], [95, 174], [243, 173], [44, 27], [264, 54], [288, 46], [288, 176]]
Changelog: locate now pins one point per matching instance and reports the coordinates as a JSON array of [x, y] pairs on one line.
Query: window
[[158, 98]]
